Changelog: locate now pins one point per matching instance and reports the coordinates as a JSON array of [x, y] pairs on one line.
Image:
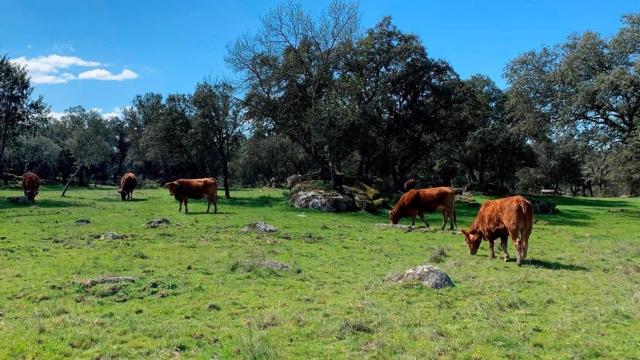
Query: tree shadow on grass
[[42, 203], [260, 201], [118, 199], [566, 217], [591, 202], [209, 213], [554, 265]]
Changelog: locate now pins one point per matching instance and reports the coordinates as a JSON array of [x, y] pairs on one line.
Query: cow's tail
[[215, 191]]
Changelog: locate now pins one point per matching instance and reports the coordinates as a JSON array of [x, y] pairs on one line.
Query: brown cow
[[512, 216], [183, 189], [416, 202], [30, 185], [128, 183], [409, 184]]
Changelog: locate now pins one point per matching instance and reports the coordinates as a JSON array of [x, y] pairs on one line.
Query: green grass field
[[577, 297]]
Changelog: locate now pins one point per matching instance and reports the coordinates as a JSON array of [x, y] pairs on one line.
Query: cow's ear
[[464, 232]]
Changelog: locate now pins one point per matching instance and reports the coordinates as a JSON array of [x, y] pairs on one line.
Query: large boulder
[[365, 197], [293, 180], [330, 201], [428, 275], [318, 194]]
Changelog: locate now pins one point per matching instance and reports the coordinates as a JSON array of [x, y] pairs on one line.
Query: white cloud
[[52, 63], [47, 69], [63, 48], [115, 112], [56, 115], [102, 74]]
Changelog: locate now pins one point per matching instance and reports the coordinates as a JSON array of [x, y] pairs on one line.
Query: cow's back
[[433, 199], [128, 182], [197, 188], [510, 214], [30, 181]]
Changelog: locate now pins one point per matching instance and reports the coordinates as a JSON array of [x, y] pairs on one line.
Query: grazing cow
[[409, 184], [128, 183], [30, 185], [184, 189], [512, 216], [416, 202]]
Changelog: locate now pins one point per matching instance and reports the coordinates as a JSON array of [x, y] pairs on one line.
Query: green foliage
[[19, 112]]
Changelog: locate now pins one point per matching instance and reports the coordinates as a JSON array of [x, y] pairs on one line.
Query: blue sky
[[110, 51]]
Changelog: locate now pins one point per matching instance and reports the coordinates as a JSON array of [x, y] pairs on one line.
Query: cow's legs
[[131, 195], [180, 209], [503, 246], [444, 219], [421, 214], [215, 207], [208, 205], [452, 219], [413, 221], [517, 242], [186, 211], [492, 254]]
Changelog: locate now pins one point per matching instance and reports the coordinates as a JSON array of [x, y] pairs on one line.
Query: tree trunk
[[225, 176], [2, 147], [64, 191]]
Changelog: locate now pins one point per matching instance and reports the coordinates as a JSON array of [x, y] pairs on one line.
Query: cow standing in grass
[[184, 189], [128, 183], [30, 185], [502, 218], [416, 202]]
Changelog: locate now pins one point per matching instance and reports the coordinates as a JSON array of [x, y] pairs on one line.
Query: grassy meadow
[[577, 296]]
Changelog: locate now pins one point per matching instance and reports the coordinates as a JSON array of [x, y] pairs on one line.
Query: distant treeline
[[320, 95]]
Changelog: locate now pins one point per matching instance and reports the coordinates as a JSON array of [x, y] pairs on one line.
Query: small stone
[[213, 307], [157, 223], [266, 264], [22, 200], [428, 275], [259, 227], [111, 236]]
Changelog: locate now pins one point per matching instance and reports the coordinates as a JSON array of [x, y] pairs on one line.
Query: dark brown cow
[[128, 183], [184, 189], [409, 184], [502, 218], [416, 202], [30, 185]]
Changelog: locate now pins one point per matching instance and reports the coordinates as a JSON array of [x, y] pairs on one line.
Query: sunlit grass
[[578, 297]]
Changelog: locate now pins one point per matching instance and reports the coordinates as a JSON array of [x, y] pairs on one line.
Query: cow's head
[[172, 186], [123, 194], [394, 217], [473, 240]]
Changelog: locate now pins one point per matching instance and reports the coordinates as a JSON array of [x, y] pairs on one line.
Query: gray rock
[[83, 221], [329, 201], [260, 227], [293, 180], [428, 275], [112, 236], [247, 265], [406, 228], [157, 223], [22, 200]]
